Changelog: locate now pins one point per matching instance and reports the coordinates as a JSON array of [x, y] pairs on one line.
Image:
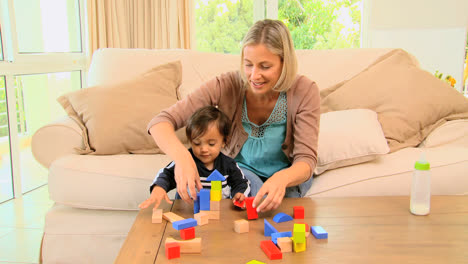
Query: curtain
[[150, 24]]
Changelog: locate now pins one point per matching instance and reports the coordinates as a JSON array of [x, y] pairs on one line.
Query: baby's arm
[[240, 186], [156, 197]]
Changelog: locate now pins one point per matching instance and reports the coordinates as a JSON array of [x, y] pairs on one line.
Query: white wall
[[432, 30]]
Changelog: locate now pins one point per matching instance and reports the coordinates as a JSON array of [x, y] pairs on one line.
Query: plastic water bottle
[[420, 203]]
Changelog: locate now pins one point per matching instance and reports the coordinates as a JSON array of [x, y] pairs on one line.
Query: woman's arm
[[164, 135], [276, 185]]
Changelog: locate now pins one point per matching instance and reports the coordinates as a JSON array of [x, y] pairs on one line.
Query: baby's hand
[[238, 199], [157, 195]]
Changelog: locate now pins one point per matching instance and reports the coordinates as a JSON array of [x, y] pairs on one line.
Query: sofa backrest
[[326, 67]]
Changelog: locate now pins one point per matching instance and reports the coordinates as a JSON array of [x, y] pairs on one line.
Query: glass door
[[42, 58]]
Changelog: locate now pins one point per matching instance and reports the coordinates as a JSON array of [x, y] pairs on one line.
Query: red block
[[271, 250], [251, 212], [298, 212], [172, 250], [239, 204], [187, 233]]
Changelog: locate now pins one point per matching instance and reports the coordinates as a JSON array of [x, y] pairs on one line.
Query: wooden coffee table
[[360, 230]]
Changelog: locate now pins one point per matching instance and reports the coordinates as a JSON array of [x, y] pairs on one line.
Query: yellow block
[[216, 186], [215, 195]]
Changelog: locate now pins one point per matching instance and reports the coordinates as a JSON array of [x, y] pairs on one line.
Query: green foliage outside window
[[314, 24]]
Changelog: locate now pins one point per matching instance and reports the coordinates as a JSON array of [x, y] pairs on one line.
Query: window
[[43, 44], [314, 24]]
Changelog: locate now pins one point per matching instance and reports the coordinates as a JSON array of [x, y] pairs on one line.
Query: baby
[[207, 131]]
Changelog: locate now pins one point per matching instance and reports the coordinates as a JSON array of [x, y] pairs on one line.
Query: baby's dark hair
[[202, 118]]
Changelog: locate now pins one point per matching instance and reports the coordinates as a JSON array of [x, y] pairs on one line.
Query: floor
[[21, 226]]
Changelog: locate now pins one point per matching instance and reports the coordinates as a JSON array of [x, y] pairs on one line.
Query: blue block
[[216, 176], [282, 217], [196, 204], [269, 229], [204, 199], [275, 236], [319, 232], [183, 224]]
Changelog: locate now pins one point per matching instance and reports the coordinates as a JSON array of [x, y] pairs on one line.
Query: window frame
[[16, 63]]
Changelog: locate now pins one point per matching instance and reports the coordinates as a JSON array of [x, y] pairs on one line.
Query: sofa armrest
[[453, 132], [55, 140]]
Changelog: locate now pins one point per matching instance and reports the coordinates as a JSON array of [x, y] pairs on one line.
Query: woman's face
[[262, 68]]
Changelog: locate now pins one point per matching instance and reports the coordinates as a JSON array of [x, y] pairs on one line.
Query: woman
[[275, 120]]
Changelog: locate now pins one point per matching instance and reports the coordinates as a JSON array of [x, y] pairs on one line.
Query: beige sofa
[[96, 196]]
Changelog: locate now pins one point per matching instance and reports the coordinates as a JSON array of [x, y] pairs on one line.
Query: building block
[[254, 261], [299, 233], [187, 233], [187, 246], [298, 212], [241, 226], [268, 228], [171, 217], [183, 224], [251, 212], [216, 186], [172, 250], [282, 217], [285, 244], [307, 229], [212, 214], [196, 204], [216, 176], [319, 232], [215, 205], [216, 195], [205, 199], [298, 247], [240, 204], [156, 218], [271, 250], [275, 236], [202, 218]]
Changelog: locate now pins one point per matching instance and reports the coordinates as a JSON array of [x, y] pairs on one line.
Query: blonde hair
[[276, 37]]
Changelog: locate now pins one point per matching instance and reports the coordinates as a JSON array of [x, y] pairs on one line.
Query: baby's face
[[207, 147]]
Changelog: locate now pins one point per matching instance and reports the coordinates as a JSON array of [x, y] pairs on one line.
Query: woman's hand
[[274, 188], [187, 179], [156, 197]]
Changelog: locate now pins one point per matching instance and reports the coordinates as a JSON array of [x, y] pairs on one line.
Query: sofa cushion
[[349, 137], [114, 117], [410, 102], [114, 182]]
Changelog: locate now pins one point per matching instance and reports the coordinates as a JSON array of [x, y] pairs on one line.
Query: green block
[[216, 186]]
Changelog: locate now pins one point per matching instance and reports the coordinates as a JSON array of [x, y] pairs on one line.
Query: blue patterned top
[[262, 153]]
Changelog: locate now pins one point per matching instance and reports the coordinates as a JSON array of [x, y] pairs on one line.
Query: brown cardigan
[[226, 92]]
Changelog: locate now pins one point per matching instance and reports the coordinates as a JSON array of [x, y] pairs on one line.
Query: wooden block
[[216, 186], [172, 250], [204, 199], [212, 214], [251, 212], [171, 217], [216, 176], [183, 224], [216, 196], [187, 246], [156, 218], [187, 233], [275, 236], [240, 204], [298, 212], [254, 261], [271, 250], [299, 233], [307, 229], [215, 205], [241, 226], [319, 232], [285, 244], [282, 217], [298, 247], [268, 229], [196, 204], [202, 218]]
